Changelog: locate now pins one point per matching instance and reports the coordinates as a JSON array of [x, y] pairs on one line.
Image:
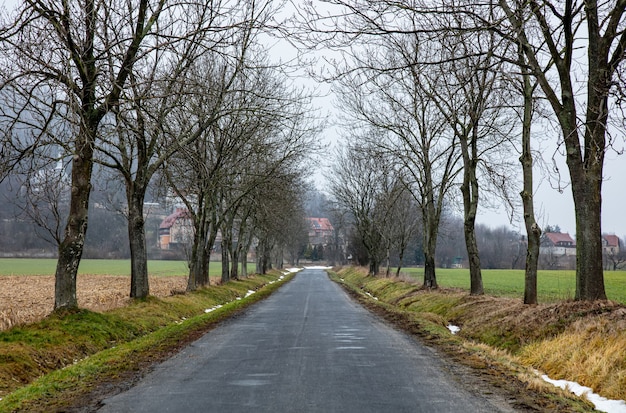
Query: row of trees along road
[[174, 90], [445, 91]]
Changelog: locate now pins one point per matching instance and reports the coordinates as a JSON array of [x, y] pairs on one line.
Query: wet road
[[307, 348]]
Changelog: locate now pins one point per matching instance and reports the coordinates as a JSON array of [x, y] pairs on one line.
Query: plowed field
[[25, 299]]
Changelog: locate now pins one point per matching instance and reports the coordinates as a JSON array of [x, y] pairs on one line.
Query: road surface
[[307, 348]]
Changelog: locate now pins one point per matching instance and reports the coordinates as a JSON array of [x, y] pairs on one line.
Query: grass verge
[[578, 341], [61, 361]]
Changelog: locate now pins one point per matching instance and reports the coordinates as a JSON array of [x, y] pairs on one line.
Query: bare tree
[[68, 62], [402, 224], [468, 86], [359, 182], [554, 29], [533, 231]]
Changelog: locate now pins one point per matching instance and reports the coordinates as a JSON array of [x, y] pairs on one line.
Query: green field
[[24, 266], [551, 285]]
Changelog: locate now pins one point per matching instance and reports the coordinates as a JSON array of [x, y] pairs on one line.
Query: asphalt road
[[307, 348]]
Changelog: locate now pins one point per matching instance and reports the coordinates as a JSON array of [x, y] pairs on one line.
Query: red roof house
[[611, 244], [557, 243], [320, 231], [175, 230]]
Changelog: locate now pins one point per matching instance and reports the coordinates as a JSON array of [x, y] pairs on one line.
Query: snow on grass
[[208, 310], [601, 403], [454, 329], [371, 296]]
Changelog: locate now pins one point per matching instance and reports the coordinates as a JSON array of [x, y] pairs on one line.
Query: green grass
[[552, 285], [26, 266], [46, 365]]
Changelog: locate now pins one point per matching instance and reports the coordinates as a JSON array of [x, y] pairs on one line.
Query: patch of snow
[[238, 298], [249, 293], [318, 268], [454, 329], [370, 295], [208, 310], [602, 403]]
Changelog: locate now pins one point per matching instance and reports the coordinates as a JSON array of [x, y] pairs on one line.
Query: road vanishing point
[[307, 348]]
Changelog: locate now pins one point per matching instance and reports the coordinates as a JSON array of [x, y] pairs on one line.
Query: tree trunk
[[207, 248], [589, 271], [139, 285], [476, 278], [469, 190], [431, 225], [279, 258], [586, 178], [402, 250], [374, 267], [71, 247], [225, 261], [400, 259], [195, 258], [388, 259], [204, 279], [533, 232], [234, 269], [263, 257], [259, 258], [430, 278], [244, 264]]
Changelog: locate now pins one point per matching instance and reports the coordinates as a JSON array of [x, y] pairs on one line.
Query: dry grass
[[583, 342], [26, 299], [592, 352]]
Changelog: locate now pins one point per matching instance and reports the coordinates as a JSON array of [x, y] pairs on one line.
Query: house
[[557, 243], [321, 231], [611, 244], [176, 230]]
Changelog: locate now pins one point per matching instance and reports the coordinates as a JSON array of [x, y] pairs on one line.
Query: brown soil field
[[26, 299]]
